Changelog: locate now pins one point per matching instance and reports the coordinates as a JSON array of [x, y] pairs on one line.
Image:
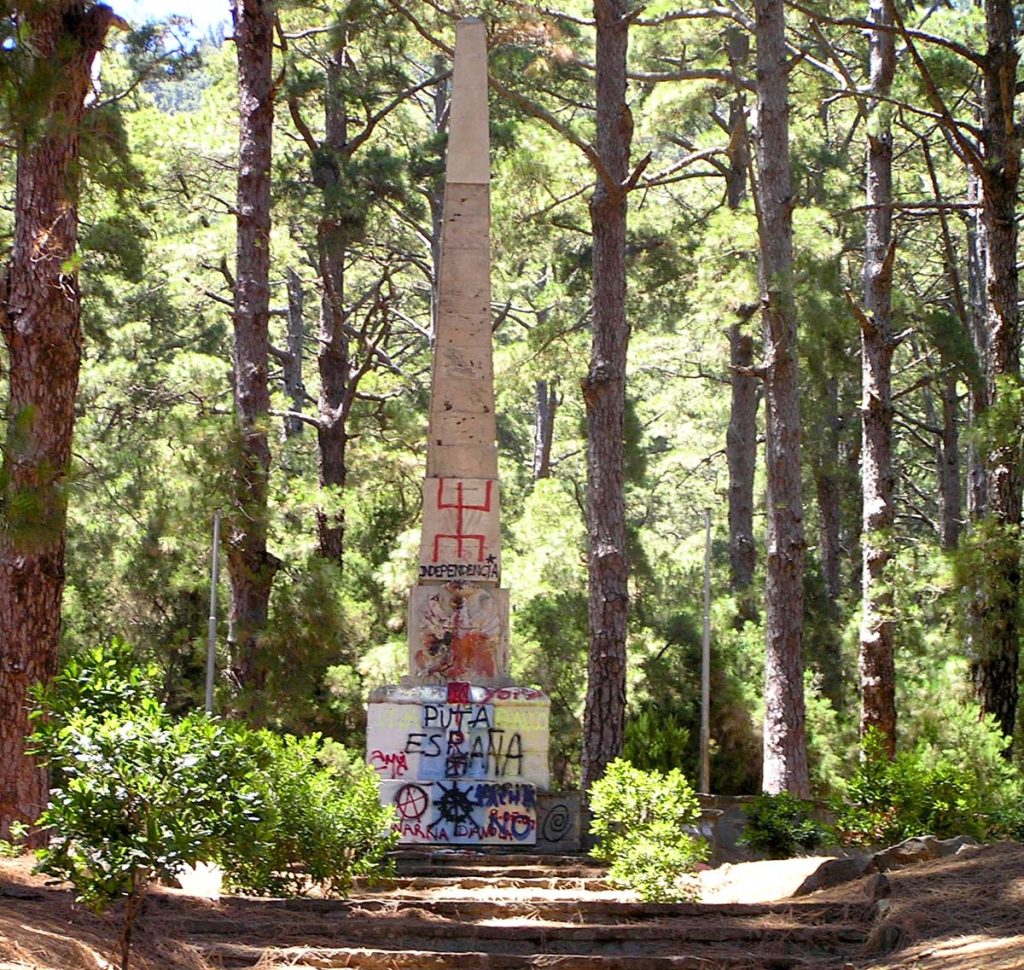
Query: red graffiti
[[511, 694], [460, 537], [393, 761]]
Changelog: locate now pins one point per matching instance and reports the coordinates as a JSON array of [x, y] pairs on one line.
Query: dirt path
[[961, 913]]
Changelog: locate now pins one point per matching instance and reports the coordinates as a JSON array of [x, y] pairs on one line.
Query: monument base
[[462, 764]]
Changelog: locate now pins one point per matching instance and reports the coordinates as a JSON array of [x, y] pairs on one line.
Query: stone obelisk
[[458, 617], [461, 752]]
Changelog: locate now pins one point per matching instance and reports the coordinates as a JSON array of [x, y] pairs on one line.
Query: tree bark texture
[[547, 401], [997, 647], [829, 495], [41, 323], [785, 745], [604, 391], [741, 455], [876, 662], [948, 458], [977, 389], [250, 565], [333, 357], [294, 388]]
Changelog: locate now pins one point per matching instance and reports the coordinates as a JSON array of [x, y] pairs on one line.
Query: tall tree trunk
[[829, 495], [547, 401], [876, 663], [40, 318], [292, 377], [826, 484], [950, 499], [977, 400], [741, 455], [785, 744], [995, 664], [604, 391], [250, 565], [333, 357]]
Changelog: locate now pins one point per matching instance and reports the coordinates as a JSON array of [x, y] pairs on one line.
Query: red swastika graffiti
[[460, 537]]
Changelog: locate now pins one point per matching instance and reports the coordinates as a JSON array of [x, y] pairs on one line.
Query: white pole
[[705, 667], [211, 640]]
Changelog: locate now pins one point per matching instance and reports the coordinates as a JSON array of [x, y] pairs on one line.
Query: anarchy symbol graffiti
[[411, 801]]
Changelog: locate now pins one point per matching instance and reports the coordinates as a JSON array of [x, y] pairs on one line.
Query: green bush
[[953, 782], [782, 826], [139, 795], [319, 825], [638, 820]]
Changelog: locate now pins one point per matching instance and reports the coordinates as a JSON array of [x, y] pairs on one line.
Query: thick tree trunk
[[251, 567], [876, 662], [41, 323], [292, 377], [333, 358], [785, 745], [741, 456], [604, 391], [995, 664], [547, 400]]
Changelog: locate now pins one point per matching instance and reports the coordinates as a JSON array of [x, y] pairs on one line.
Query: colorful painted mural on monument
[[457, 632]]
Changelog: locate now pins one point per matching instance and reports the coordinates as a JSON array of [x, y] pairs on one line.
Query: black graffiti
[[453, 806], [465, 717], [557, 823], [428, 745], [460, 570]]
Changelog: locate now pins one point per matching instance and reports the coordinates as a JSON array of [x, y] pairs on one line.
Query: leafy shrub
[[139, 795], [953, 782], [782, 826], [638, 819], [320, 825]]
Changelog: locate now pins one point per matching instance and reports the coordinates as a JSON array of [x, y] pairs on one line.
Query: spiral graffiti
[[557, 824]]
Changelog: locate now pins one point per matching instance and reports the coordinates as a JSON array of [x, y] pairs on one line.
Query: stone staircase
[[473, 910]]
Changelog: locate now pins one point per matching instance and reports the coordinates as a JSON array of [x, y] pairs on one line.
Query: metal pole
[[211, 640], [705, 667]]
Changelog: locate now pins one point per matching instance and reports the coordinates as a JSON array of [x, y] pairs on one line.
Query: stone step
[[454, 870], [237, 957], [579, 910], [398, 883], [492, 856], [525, 937], [807, 911]]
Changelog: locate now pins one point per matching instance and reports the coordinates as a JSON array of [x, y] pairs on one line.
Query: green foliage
[[13, 847], [655, 740], [320, 825], [782, 826], [638, 820], [141, 794], [955, 781]]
